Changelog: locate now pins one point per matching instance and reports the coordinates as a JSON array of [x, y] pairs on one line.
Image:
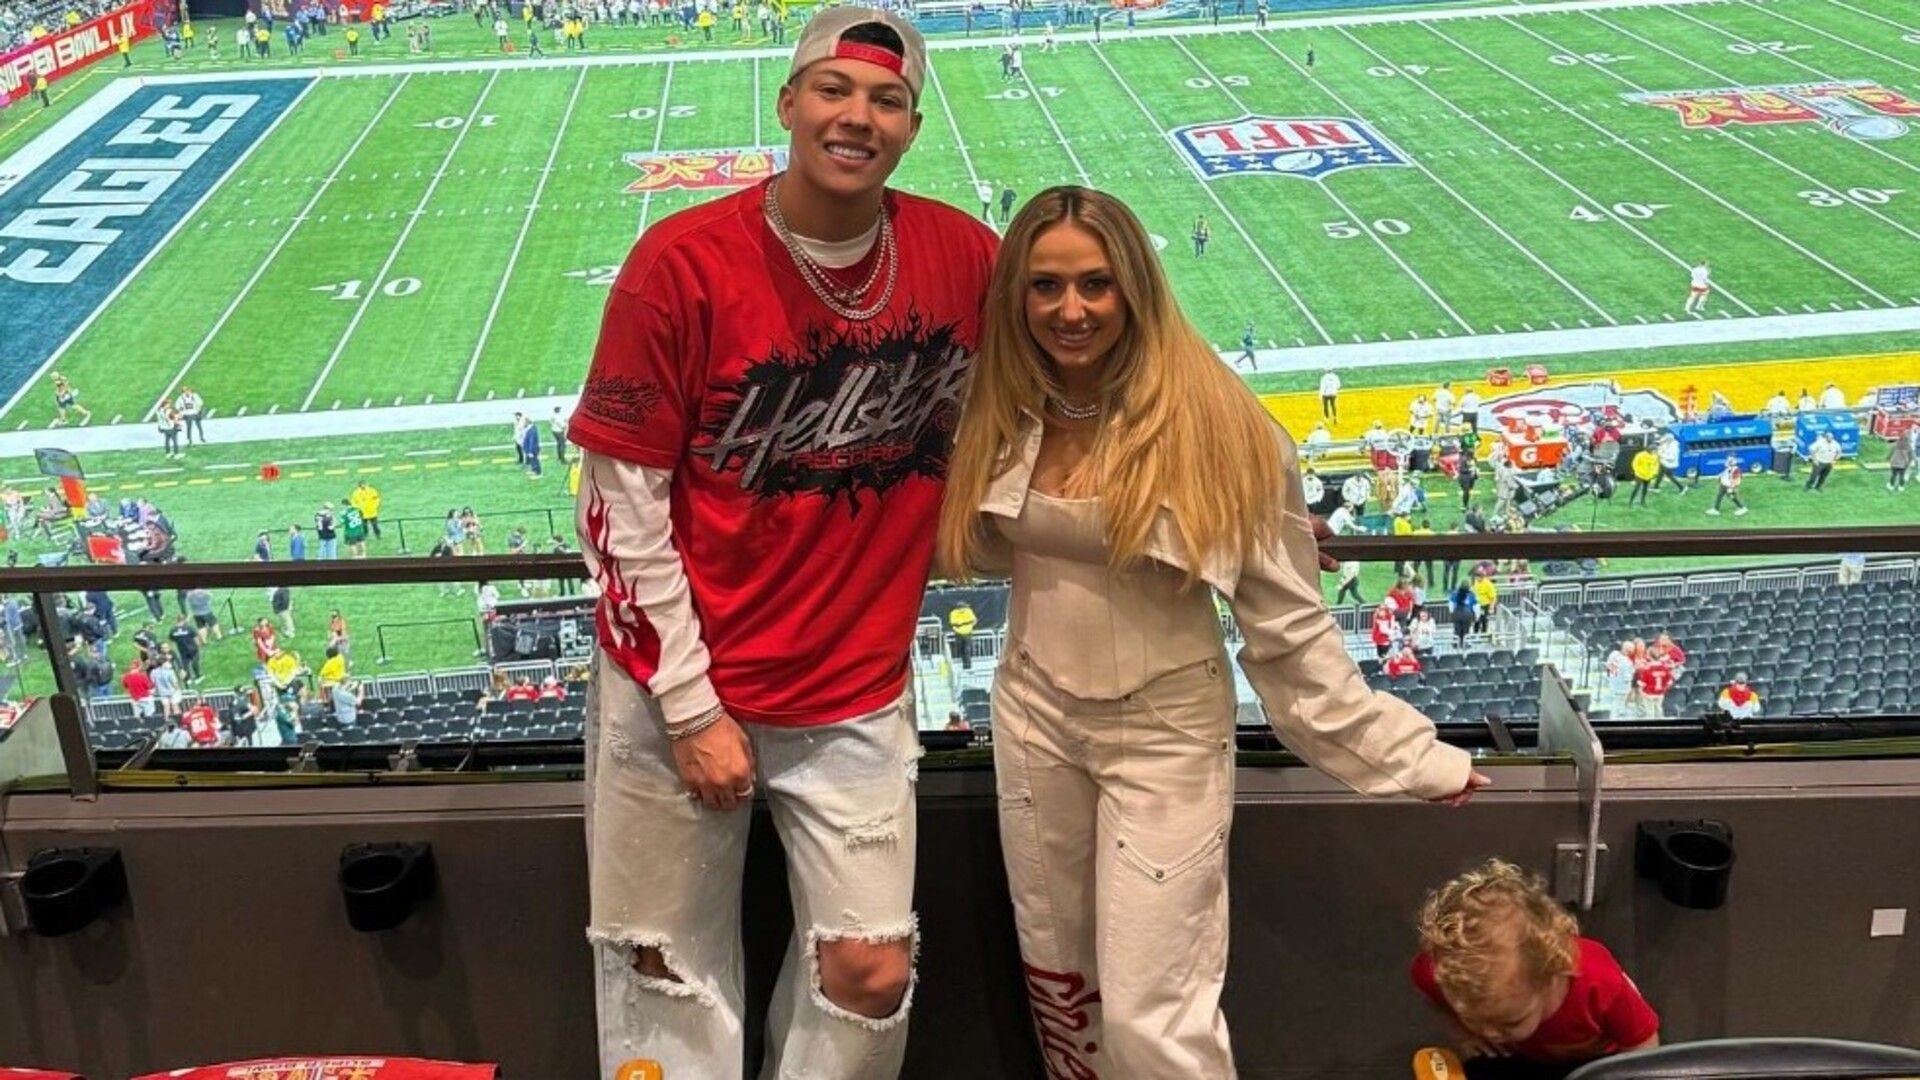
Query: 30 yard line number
[[1866, 196]]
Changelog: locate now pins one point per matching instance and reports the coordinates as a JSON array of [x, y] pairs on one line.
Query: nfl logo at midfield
[[1309, 147]]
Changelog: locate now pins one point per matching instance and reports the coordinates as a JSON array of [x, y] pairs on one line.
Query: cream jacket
[[1294, 654]]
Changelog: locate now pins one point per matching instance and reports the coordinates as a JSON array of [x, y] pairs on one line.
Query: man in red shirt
[[139, 687], [765, 430], [1654, 677], [1402, 663], [202, 724]]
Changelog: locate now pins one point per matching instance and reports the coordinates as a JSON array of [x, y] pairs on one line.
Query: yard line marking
[[1040, 99], [973, 175], [1327, 189], [758, 105], [659, 130], [1221, 206], [519, 242], [360, 457], [1877, 18], [1851, 44], [1448, 188], [1789, 58], [1536, 163], [380, 278], [427, 453], [192, 213], [1662, 166], [1748, 143]]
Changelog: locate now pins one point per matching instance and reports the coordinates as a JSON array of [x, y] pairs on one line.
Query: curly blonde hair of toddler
[[1491, 924]]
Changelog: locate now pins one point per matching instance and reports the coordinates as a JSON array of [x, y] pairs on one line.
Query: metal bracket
[[1570, 872], [13, 906], [408, 758], [307, 761]]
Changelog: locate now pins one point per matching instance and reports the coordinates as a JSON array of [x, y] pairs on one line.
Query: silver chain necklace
[[1067, 410], [842, 301]]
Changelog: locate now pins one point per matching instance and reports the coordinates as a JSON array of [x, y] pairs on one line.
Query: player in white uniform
[[1047, 44], [1697, 292]]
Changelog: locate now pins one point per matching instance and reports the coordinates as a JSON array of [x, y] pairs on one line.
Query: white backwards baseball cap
[[825, 38]]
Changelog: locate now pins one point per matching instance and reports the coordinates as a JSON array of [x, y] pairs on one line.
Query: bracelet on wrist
[[686, 729]]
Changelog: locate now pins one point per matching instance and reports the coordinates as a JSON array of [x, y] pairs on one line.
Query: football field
[[1441, 185]]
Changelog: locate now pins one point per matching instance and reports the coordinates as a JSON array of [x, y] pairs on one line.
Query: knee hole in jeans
[[864, 977]]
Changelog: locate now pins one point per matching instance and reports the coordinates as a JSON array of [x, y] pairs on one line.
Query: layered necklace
[[1067, 410], [841, 300]]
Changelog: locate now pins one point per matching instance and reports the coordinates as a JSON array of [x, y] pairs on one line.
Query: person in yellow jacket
[[962, 621], [377, 15], [262, 41], [705, 22], [126, 52], [353, 41], [40, 91], [366, 499], [1646, 466]]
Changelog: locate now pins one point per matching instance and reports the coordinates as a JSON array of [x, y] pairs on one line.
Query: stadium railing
[[425, 718]]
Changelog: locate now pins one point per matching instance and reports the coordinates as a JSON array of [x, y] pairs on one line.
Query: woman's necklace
[[1067, 410], [841, 300]]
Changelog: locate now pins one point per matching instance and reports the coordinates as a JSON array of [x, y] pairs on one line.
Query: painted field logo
[[1853, 107], [1309, 147], [695, 170]]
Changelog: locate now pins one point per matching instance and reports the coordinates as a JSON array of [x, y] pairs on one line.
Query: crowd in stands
[[23, 21]]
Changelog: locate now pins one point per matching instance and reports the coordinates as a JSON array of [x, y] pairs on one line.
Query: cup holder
[[384, 883], [1692, 860], [65, 889]]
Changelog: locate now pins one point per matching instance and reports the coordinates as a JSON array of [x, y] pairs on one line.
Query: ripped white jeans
[[665, 872]]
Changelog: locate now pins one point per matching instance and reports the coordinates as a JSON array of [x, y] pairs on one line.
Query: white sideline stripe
[[1657, 163], [262, 427], [1791, 59], [1258, 252], [132, 275], [1457, 197], [1748, 142], [519, 242], [1327, 190], [1833, 37], [1065, 37], [1536, 163], [659, 130], [380, 278], [933, 74], [261, 270], [1312, 358]]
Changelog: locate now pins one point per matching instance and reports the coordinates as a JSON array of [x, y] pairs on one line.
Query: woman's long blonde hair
[[1179, 429]]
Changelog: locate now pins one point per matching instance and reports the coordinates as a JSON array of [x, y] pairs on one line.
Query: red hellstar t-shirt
[[808, 452]]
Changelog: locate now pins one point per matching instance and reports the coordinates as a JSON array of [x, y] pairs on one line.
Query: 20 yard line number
[[649, 112]]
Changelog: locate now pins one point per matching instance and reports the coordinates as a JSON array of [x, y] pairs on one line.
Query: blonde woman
[[1111, 464]]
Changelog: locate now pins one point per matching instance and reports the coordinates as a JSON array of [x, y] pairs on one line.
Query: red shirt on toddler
[[1603, 1012]]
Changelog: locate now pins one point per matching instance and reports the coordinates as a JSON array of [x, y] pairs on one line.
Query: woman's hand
[[1323, 531], [1475, 781]]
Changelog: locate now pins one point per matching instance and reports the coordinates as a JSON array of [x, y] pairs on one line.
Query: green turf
[[463, 291], [1478, 237]]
